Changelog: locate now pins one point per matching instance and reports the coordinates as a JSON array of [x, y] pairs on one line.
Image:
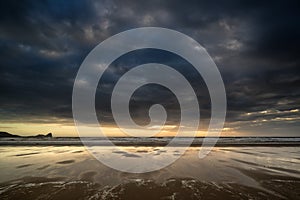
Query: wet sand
[[70, 172]]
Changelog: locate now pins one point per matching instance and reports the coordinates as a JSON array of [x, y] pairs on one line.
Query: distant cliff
[[41, 135], [6, 134]]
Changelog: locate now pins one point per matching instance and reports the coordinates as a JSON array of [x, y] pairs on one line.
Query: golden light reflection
[[69, 130]]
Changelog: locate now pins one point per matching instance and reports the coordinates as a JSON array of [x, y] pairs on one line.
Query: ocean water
[[71, 172], [152, 141]]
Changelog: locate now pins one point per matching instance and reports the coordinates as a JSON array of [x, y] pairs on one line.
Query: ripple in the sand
[[142, 151], [26, 154], [79, 151], [65, 162], [245, 162], [119, 152], [43, 167], [239, 151], [131, 155], [126, 154], [23, 166], [284, 170]]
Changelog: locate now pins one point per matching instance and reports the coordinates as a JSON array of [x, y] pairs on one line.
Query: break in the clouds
[[255, 45]]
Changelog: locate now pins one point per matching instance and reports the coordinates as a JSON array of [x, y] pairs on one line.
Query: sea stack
[[49, 135]]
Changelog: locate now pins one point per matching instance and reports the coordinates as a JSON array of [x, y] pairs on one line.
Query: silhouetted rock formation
[[5, 134], [49, 135]]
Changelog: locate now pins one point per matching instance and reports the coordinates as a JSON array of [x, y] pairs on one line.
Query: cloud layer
[[255, 45]]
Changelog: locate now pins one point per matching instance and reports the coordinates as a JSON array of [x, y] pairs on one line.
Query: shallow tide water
[[70, 172]]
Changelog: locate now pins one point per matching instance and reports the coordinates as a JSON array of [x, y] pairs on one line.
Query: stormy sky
[[255, 45]]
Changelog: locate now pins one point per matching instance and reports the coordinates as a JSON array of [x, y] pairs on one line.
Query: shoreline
[[153, 141], [147, 144]]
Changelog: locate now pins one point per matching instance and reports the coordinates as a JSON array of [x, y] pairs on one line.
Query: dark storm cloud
[[255, 45]]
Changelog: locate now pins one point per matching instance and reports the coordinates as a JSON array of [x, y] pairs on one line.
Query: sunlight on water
[[252, 167]]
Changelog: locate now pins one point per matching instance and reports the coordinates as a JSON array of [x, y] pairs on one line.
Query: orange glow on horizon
[[61, 130]]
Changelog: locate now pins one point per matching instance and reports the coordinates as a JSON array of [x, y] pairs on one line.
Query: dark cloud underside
[[255, 45]]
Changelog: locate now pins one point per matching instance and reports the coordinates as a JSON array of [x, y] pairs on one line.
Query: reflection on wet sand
[[66, 162], [22, 166], [70, 172]]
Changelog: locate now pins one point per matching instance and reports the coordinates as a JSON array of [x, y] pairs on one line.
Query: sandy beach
[[70, 172]]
